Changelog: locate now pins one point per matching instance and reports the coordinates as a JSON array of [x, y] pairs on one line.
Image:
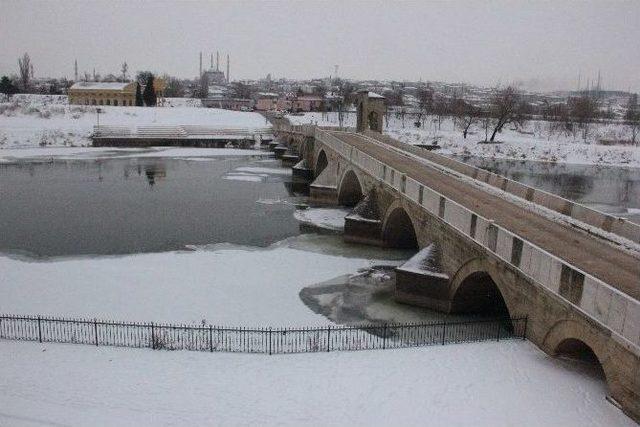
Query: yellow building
[[103, 93]]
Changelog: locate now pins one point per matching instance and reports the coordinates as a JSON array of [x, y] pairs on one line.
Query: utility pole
[[200, 74], [217, 61], [228, 80], [75, 69]]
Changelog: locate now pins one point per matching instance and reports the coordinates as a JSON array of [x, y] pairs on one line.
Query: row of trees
[[506, 106]]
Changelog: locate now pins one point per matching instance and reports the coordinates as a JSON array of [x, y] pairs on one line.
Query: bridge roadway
[[614, 265]]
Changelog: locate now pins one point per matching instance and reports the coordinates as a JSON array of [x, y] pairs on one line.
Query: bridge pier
[[482, 266]]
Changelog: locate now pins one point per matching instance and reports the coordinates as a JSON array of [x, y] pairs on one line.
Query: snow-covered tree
[[633, 117], [506, 107]]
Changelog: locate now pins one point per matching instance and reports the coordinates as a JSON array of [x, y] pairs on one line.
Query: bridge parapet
[[608, 223], [615, 311]]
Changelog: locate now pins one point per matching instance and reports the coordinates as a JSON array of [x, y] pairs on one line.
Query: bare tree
[[25, 68], [466, 114], [425, 103], [440, 109], [633, 117], [506, 107], [124, 70], [583, 110], [241, 90]]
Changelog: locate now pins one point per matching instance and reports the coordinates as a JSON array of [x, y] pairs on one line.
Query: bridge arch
[[476, 288], [350, 191], [398, 230], [321, 163], [575, 340]]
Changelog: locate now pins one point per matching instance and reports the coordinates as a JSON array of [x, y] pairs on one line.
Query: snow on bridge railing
[[258, 340], [616, 311], [609, 223]]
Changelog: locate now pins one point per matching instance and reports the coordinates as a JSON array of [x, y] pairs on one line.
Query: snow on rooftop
[[374, 95], [100, 85]]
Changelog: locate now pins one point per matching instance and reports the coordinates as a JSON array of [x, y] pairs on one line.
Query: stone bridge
[[487, 244]]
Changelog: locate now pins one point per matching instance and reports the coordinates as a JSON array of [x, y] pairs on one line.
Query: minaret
[[200, 75], [217, 61], [75, 68], [228, 68]]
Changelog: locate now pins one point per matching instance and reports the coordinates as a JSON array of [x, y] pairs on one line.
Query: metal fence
[[257, 340]]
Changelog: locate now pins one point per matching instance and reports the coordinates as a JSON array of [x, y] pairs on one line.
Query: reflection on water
[[118, 206], [614, 190]]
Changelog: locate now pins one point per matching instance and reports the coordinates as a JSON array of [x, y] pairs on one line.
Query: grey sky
[[471, 41]]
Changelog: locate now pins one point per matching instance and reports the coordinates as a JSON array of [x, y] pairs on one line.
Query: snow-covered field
[[535, 141], [483, 384], [48, 120]]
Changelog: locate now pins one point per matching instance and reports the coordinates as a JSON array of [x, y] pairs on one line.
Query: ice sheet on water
[[327, 218]]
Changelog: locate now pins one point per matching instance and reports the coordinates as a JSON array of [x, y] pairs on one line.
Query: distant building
[[308, 103], [102, 93], [267, 101], [214, 77]]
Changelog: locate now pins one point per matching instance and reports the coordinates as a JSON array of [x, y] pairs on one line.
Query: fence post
[[498, 333], [151, 340], [95, 330], [211, 338], [328, 338], [269, 340], [524, 333], [444, 331], [384, 337], [39, 330]]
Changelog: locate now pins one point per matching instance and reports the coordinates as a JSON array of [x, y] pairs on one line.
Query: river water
[[122, 206], [610, 189]]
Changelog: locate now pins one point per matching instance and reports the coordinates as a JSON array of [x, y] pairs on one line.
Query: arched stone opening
[[398, 231], [373, 120], [350, 192], [321, 163], [478, 293], [578, 350]]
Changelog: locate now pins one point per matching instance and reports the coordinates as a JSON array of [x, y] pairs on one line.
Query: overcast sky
[[492, 42]]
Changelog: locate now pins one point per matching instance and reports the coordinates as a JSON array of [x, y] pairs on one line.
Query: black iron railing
[[257, 340]]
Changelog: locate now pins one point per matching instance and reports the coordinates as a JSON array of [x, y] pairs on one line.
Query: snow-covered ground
[[48, 120], [535, 141], [483, 384]]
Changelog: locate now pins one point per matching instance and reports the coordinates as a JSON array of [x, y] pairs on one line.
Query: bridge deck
[[613, 265]]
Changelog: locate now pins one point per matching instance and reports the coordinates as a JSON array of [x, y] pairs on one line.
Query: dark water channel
[[121, 206], [610, 189]]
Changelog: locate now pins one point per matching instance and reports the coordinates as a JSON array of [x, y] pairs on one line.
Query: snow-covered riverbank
[[535, 141], [48, 120]]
